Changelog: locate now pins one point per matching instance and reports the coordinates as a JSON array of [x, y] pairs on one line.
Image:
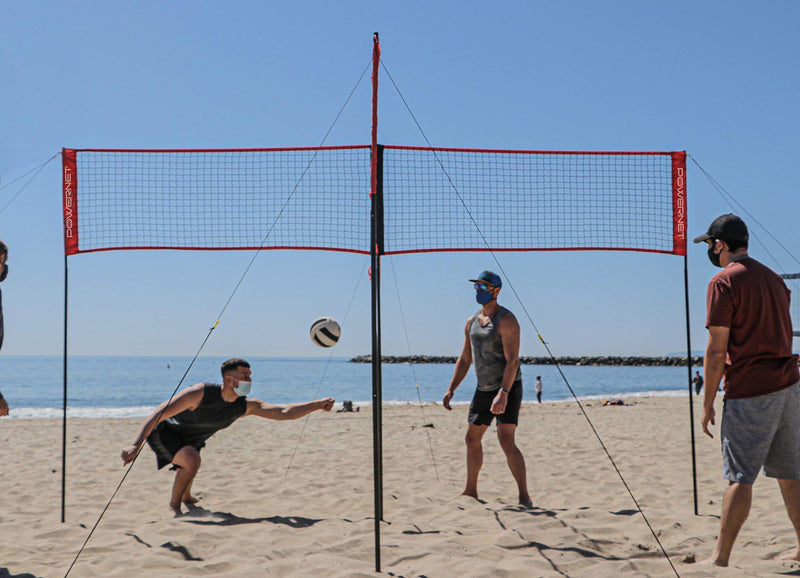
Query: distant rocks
[[664, 361]]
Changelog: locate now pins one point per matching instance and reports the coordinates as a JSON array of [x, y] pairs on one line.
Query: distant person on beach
[[491, 341], [539, 388], [178, 428], [3, 275], [750, 345], [698, 382]]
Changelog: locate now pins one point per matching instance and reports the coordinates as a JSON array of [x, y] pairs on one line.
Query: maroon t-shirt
[[753, 301]]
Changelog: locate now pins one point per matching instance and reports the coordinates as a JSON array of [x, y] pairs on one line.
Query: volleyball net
[[433, 199]]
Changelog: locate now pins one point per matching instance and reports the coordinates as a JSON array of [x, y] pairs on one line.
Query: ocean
[[109, 387]]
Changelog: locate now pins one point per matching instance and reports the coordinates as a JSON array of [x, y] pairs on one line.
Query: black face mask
[[713, 257]]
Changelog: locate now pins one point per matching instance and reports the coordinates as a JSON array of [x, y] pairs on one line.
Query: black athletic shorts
[[166, 443], [480, 410]]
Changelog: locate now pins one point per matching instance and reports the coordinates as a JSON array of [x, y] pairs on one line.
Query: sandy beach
[[265, 513]]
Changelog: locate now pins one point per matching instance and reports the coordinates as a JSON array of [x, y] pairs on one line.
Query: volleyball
[[325, 331]]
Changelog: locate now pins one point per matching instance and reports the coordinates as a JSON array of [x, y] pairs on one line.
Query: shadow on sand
[[199, 515], [5, 573]]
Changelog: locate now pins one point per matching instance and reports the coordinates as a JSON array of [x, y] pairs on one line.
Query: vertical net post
[[689, 362], [679, 248], [70, 205], [376, 250], [64, 397]]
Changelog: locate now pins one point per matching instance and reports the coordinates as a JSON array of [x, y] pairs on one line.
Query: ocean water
[[134, 386]]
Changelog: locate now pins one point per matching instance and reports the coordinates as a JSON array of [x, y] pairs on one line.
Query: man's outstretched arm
[[288, 411]]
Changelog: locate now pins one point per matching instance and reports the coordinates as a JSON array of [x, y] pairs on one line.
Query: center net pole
[[376, 250]]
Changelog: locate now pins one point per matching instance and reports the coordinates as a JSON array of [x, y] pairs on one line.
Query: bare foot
[[526, 502], [190, 500], [470, 494], [175, 510], [712, 562], [795, 555]]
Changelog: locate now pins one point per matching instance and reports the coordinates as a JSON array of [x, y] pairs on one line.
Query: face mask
[[713, 257], [483, 297], [243, 388]]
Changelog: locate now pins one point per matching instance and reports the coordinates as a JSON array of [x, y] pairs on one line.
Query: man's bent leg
[[735, 508], [474, 457], [188, 461], [516, 462], [791, 497], [187, 497]]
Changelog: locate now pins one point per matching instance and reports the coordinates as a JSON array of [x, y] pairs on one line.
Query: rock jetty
[[665, 361]]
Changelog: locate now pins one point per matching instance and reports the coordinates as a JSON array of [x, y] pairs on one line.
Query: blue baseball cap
[[489, 277]]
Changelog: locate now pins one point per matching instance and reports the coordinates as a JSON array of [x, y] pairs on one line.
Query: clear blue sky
[[717, 79]]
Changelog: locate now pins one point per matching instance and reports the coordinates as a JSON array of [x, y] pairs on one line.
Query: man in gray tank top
[[491, 341]]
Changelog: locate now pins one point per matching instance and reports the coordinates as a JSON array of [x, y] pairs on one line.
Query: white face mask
[[243, 388]]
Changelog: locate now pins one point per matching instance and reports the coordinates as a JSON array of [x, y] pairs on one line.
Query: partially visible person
[[750, 345], [3, 275], [491, 341], [539, 388], [178, 428], [698, 382]]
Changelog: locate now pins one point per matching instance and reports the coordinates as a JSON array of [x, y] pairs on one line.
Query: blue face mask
[[243, 388], [483, 297]]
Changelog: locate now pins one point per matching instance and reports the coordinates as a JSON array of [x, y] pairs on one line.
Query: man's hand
[[708, 417], [499, 403], [128, 454], [327, 403], [446, 399]]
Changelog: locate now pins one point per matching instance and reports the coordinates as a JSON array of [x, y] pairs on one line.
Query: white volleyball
[[325, 331]]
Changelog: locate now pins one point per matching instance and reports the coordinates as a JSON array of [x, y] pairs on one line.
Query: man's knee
[[506, 437], [474, 436], [188, 458]]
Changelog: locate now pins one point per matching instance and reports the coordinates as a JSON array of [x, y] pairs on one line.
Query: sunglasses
[[483, 287]]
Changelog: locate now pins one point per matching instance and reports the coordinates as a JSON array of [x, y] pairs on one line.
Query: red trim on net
[[69, 190], [679, 204], [254, 248], [346, 147], [526, 152], [240, 150], [528, 249]]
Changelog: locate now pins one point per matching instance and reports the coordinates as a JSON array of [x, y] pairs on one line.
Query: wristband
[[504, 390]]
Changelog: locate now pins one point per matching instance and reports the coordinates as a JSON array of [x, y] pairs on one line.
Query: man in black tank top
[[491, 341], [178, 428]]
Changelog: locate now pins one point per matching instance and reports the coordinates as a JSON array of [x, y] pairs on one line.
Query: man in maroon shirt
[[750, 345]]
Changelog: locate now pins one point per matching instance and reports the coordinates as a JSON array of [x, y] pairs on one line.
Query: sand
[[265, 513]]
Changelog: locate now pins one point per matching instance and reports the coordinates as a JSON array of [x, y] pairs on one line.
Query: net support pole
[[679, 219], [69, 184], [64, 396], [376, 250], [689, 364]]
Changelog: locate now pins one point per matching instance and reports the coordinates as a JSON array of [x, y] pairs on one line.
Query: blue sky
[[717, 79]]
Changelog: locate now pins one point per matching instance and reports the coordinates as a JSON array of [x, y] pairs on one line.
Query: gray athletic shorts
[[762, 431]]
